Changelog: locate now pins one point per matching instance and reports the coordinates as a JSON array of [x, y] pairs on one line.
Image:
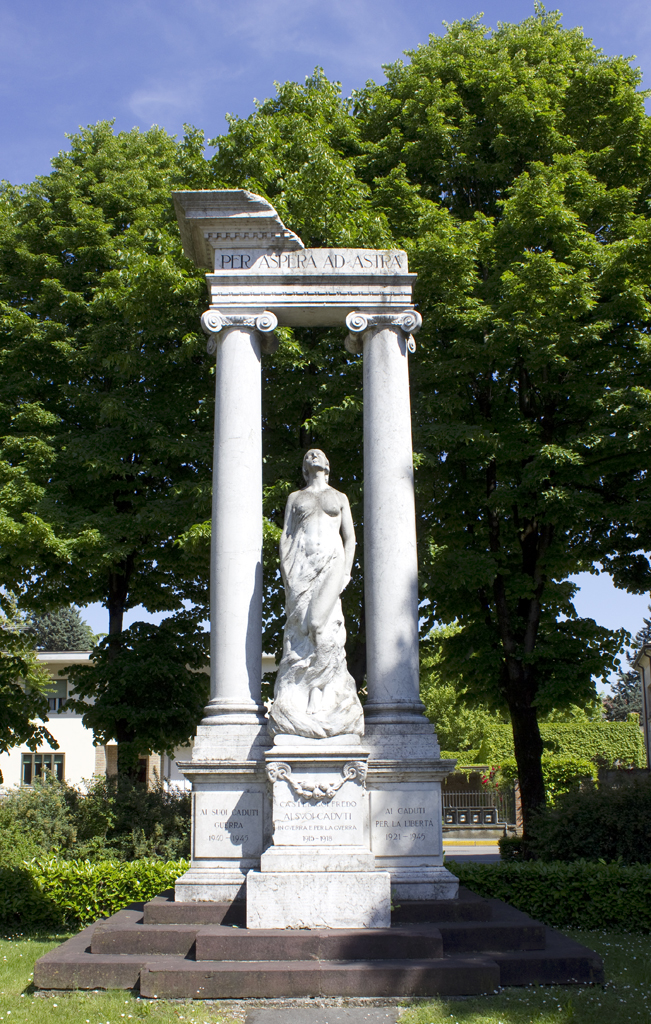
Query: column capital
[[213, 322], [409, 321]]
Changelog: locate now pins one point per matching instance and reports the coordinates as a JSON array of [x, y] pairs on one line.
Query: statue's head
[[317, 459]]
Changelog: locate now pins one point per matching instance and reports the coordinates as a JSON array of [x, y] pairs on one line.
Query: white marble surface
[[315, 695], [317, 858], [406, 823], [227, 824], [318, 899], [308, 823], [236, 553]]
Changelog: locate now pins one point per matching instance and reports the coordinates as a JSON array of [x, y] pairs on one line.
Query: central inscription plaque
[[336, 822], [227, 824]]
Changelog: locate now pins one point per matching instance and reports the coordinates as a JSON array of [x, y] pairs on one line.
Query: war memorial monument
[[317, 859]]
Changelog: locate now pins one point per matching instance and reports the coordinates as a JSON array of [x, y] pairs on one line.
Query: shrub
[[560, 773], [115, 819], [608, 823], [38, 820], [55, 893], [578, 895]]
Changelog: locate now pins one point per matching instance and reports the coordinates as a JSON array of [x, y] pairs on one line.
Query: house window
[[56, 703], [57, 694], [35, 766]]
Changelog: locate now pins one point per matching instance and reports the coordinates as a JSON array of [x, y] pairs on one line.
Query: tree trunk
[[118, 592], [528, 746]]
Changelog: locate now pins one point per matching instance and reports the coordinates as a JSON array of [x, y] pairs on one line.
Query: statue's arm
[[348, 537], [287, 527]]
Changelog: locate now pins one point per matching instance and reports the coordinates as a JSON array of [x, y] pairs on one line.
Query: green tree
[[514, 167], [106, 405], [460, 723], [626, 690], [61, 630], [23, 683]]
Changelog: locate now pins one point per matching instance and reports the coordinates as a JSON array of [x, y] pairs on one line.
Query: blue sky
[[141, 62], [71, 63]]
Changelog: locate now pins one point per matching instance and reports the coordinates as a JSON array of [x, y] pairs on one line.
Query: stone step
[[73, 966], [173, 978], [410, 942], [468, 907], [163, 910], [561, 962], [469, 936]]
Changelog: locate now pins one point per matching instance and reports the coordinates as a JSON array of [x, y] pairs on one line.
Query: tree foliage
[[514, 167], [23, 683], [625, 697], [61, 630], [105, 394]]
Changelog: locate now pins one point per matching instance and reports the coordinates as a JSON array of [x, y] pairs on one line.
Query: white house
[[78, 758]]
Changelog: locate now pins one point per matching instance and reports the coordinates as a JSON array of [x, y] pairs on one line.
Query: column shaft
[[390, 556], [236, 542]]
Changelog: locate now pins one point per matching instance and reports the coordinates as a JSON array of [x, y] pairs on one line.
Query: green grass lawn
[[625, 997], [20, 1004]]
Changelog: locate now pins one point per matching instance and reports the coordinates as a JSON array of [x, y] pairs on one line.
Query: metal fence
[[478, 807]]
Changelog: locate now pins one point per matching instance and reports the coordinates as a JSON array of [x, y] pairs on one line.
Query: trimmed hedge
[[578, 895], [53, 893], [604, 743]]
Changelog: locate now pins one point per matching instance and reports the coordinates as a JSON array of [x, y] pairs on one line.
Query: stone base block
[[430, 883], [210, 885], [340, 858], [314, 899]]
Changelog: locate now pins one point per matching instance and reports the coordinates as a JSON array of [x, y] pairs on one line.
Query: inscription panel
[[309, 262], [405, 822], [305, 823], [227, 824]]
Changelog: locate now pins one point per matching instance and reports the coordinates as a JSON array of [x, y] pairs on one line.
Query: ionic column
[[390, 555], [236, 538]]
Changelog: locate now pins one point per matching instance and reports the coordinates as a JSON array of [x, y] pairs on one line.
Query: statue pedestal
[[230, 828], [320, 871]]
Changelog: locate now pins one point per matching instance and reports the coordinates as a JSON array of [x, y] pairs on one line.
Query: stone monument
[[268, 793]]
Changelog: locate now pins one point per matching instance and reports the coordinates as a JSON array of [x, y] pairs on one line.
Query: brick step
[[468, 907], [451, 957], [173, 978], [72, 966]]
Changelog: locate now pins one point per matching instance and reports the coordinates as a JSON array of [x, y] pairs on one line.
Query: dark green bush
[[596, 823], [115, 819], [578, 895], [57, 893], [510, 847]]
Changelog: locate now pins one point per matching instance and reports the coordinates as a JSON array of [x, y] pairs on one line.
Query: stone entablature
[[313, 286]]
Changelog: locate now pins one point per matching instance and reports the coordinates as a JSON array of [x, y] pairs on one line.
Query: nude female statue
[[315, 695]]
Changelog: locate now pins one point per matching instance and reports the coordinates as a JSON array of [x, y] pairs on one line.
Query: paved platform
[[483, 851], [324, 1015]]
